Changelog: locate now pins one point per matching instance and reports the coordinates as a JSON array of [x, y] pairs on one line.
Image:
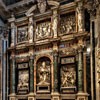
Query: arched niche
[[43, 74]]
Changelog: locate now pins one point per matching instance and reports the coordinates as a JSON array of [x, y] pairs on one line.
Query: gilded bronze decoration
[[67, 24], [68, 76], [43, 30], [22, 34]]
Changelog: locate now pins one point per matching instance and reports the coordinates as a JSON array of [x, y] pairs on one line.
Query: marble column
[[80, 70], [30, 28], [55, 57], [13, 30], [81, 95], [31, 74], [55, 94], [55, 22], [80, 15], [13, 78], [31, 95]]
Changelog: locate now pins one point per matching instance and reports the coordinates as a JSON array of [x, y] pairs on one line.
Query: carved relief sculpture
[[23, 82], [80, 18], [30, 30], [55, 22], [43, 30], [22, 34], [42, 5], [68, 77], [67, 24], [44, 74]]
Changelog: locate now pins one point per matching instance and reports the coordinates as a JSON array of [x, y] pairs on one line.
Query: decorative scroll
[[43, 30], [68, 24], [43, 73], [23, 81], [68, 76], [22, 34]]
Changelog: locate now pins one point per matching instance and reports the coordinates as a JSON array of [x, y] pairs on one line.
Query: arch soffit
[[45, 55], [53, 3]]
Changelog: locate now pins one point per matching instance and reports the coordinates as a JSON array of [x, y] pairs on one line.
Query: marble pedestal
[[55, 96], [12, 96], [82, 96], [31, 96]]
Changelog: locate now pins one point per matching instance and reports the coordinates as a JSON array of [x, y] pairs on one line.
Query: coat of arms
[[42, 5]]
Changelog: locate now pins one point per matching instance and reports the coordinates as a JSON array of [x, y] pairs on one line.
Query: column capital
[[55, 53], [12, 19], [32, 56]]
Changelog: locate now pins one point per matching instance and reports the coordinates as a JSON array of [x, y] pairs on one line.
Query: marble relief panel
[[67, 24], [22, 34], [68, 76], [43, 30], [23, 81]]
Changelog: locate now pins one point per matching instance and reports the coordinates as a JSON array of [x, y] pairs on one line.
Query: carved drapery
[[55, 22], [23, 78], [30, 29], [68, 76], [43, 72], [22, 34], [80, 16], [43, 30], [67, 24]]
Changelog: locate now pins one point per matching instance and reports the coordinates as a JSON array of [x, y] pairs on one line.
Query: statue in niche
[[44, 74], [23, 80], [68, 77], [30, 28], [80, 18], [55, 22], [43, 30], [42, 5]]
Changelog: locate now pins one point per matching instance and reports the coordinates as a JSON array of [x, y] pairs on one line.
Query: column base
[[31, 96], [82, 96], [12, 44], [12, 96], [55, 96]]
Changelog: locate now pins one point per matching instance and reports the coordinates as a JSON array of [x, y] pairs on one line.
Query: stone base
[[82, 96], [12, 96], [55, 96], [31, 96]]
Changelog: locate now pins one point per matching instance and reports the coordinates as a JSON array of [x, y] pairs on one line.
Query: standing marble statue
[[80, 18], [30, 30], [55, 23]]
